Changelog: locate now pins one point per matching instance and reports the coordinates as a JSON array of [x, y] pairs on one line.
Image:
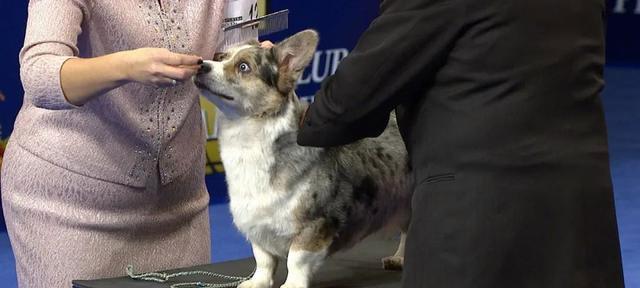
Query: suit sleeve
[[395, 57], [51, 39]]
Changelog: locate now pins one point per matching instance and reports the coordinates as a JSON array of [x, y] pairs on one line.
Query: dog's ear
[[293, 55]]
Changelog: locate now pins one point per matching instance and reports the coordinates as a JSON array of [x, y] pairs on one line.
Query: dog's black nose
[[204, 68]]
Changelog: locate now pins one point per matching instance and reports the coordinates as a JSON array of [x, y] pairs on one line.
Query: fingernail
[[200, 61]]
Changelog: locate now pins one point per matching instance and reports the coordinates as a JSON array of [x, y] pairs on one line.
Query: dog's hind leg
[[396, 261], [266, 265]]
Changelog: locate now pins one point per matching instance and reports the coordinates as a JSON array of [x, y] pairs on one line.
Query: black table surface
[[357, 267]]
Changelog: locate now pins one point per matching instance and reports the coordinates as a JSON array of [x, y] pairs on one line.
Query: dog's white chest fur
[[261, 211]]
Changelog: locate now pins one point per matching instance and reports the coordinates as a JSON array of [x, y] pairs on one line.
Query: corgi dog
[[293, 202]]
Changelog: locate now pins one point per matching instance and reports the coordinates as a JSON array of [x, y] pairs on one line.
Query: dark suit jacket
[[503, 99]]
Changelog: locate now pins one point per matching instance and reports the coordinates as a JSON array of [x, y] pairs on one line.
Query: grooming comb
[[254, 28]]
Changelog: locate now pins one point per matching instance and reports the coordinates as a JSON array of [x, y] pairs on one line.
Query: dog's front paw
[[253, 283], [393, 263]]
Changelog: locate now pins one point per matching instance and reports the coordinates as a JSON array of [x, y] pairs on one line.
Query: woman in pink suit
[[105, 166]]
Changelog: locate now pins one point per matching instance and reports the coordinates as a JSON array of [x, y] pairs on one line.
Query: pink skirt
[[65, 226]]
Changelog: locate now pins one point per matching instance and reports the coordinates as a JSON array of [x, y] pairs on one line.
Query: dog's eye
[[244, 67]]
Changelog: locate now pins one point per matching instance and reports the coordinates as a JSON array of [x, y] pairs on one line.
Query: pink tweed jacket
[[125, 134]]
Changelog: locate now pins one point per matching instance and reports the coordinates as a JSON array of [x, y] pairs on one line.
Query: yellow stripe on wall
[[262, 7]]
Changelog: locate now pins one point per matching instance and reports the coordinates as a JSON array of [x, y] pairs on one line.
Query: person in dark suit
[[499, 106]]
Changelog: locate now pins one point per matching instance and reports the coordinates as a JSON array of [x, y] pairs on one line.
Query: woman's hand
[[158, 66], [266, 44], [83, 79]]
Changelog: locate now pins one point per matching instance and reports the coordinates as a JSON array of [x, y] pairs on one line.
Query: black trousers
[[542, 227]]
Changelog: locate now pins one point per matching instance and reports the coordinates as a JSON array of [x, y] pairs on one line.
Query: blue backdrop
[[12, 25], [623, 32], [339, 23]]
